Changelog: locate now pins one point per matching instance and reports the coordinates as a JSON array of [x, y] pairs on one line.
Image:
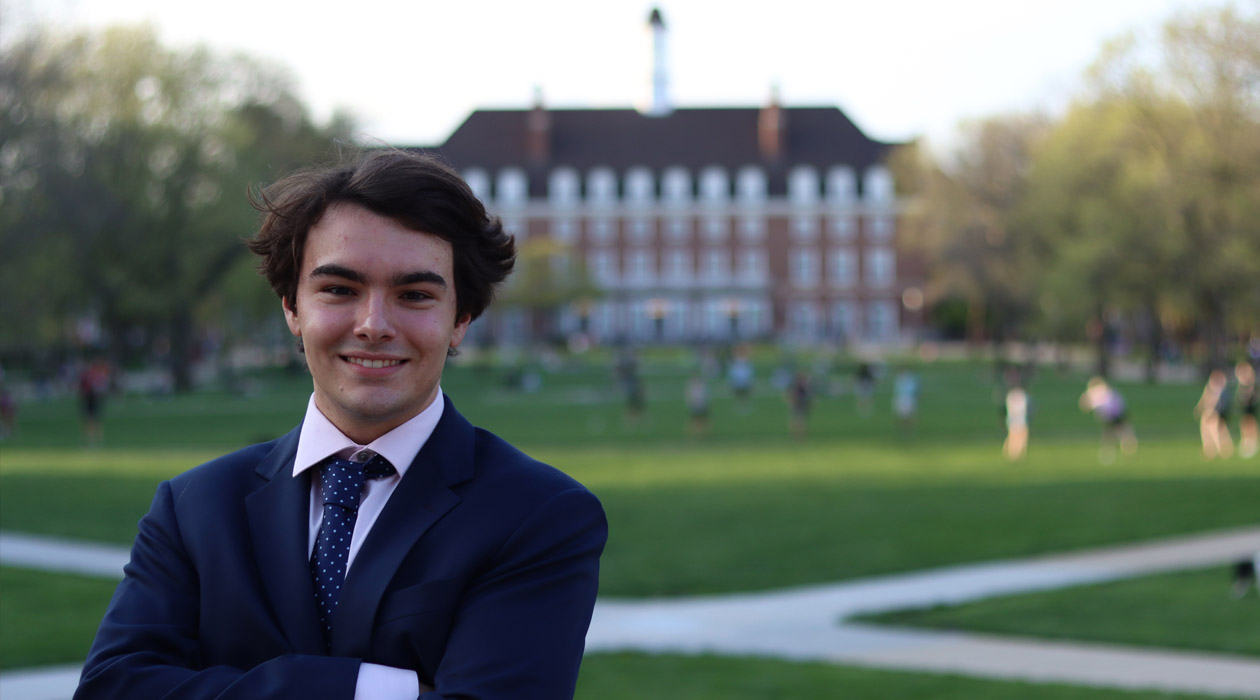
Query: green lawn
[[633, 676], [744, 508], [1188, 610], [746, 518], [580, 404], [48, 618]]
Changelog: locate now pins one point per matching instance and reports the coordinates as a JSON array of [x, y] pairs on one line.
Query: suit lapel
[[279, 517], [422, 497]]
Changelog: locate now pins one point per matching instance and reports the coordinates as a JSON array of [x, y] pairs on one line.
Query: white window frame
[[805, 227], [640, 267], [676, 186], [803, 267], [601, 187], [678, 266], [803, 185], [877, 185], [564, 188], [512, 188], [715, 186], [879, 268], [603, 266], [678, 230], [753, 266], [479, 182], [842, 226], [842, 268], [640, 187], [750, 185], [841, 186], [715, 266], [752, 229]]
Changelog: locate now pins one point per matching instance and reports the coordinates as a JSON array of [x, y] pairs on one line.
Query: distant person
[[8, 412], [631, 386], [864, 387], [94, 382], [1245, 577], [740, 375], [385, 548], [906, 399], [697, 405], [1212, 410], [1247, 397], [799, 397], [1109, 408], [1017, 409]]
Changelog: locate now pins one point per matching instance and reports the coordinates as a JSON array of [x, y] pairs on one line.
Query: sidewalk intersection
[[807, 623]]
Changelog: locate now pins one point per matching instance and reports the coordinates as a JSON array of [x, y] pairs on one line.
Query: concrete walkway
[[807, 623]]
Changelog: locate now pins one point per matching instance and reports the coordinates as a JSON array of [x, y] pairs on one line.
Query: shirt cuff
[[377, 682]]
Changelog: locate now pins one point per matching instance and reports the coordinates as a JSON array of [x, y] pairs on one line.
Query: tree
[[1097, 199], [546, 280], [966, 221], [1149, 188], [125, 166]]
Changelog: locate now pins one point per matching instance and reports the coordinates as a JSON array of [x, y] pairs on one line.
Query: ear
[[291, 317], [461, 327]]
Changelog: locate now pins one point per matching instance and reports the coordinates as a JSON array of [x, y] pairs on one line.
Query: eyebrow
[[338, 271], [407, 278], [400, 280]]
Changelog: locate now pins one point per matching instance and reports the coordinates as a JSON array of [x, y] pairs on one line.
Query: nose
[[374, 323]]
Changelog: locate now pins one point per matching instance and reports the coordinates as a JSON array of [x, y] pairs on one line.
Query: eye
[[415, 295], [337, 290]]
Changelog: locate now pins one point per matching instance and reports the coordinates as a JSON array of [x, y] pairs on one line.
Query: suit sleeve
[[147, 645], [521, 628]]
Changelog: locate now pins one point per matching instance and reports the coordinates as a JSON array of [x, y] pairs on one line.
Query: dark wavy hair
[[415, 189]]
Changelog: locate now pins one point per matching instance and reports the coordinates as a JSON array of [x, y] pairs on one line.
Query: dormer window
[[639, 186], [714, 185], [751, 185], [513, 187], [841, 185], [601, 186], [677, 186], [878, 185], [563, 187], [479, 182], [803, 185]]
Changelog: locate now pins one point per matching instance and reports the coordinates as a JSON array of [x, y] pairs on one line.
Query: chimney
[[538, 131], [772, 128], [659, 105]]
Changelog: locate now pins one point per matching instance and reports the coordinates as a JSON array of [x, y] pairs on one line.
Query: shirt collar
[[320, 439]]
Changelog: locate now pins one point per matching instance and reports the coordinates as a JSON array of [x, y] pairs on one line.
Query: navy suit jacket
[[480, 574]]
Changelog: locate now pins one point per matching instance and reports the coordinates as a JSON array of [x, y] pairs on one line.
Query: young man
[[455, 567]]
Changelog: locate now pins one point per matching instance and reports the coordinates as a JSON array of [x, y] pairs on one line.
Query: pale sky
[[413, 70]]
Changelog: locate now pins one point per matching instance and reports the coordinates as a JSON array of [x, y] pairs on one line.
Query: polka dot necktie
[[342, 481]]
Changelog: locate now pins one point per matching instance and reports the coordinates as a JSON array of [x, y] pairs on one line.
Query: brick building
[[697, 224]]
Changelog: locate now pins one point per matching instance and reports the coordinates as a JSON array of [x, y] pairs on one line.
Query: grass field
[[743, 508], [633, 676], [1188, 610]]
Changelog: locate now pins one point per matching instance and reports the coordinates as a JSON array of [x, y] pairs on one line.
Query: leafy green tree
[[125, 169], [1147, 190], [966, 221], [548, 278], [1096, 199]]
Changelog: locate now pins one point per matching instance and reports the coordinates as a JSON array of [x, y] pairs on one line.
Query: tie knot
[[342, 479], [378, 468]]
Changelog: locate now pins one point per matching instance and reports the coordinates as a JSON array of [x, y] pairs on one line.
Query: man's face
[[376, 313]]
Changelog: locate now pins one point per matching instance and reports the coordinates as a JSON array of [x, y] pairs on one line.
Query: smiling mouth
[[372, 364]]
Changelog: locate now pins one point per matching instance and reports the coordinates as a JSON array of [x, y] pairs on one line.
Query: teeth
[[373, 364]]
